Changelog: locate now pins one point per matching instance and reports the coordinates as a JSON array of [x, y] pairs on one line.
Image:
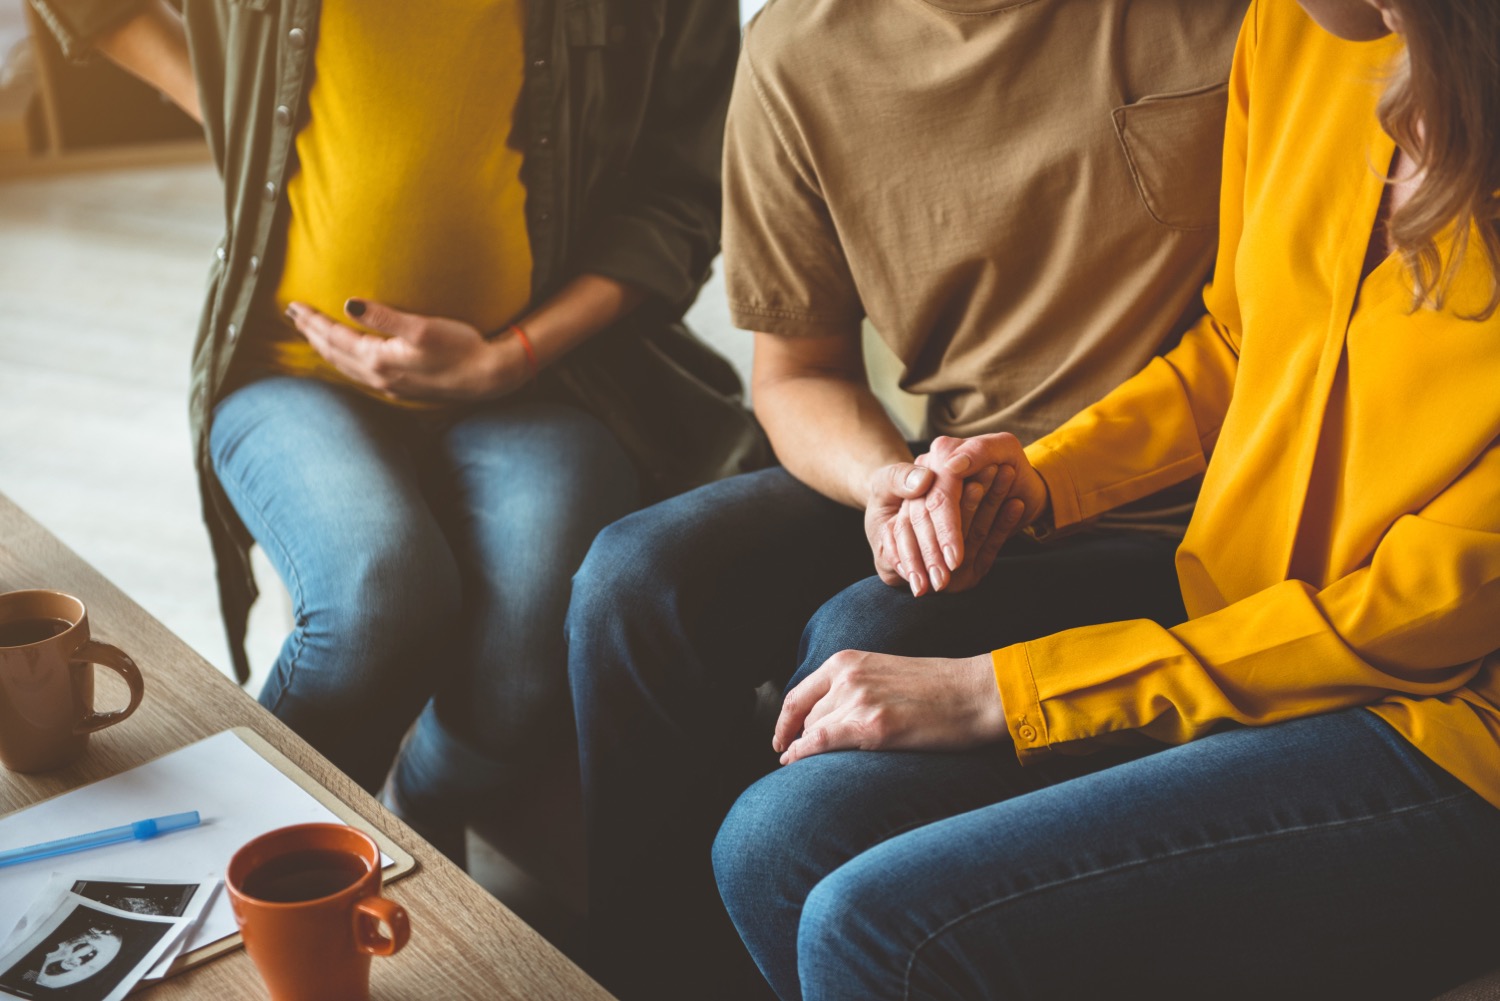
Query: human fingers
[[887, 489], [989, 510], [944, 498], [347, 350], [799, 702], [984, 450], [889, 565], [834, 735], [976, 488], [1012, 514], [1005, 449], [387, 319], [899, 481], [931, 544], [911, 555]]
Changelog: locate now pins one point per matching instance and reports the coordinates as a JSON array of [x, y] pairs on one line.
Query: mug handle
[[368, 913], [117, 660]]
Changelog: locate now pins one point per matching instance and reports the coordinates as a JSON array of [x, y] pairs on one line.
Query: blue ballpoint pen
[[138, 831]]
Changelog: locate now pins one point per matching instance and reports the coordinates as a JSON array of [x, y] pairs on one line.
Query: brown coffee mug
[[47, 680], [307, 899]]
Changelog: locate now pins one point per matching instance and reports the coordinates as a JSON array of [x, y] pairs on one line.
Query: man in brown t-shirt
[[1020, 198]]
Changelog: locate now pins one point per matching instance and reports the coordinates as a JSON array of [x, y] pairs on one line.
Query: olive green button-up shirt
[[621, 124]]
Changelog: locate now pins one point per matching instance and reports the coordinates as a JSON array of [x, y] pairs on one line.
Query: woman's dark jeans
[[1318, 858]]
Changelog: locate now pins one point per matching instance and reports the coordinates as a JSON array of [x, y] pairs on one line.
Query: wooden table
[[464, 943]]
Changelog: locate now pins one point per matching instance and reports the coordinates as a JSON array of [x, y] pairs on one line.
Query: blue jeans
[[428, 559], [682, 609], [1318, 858]]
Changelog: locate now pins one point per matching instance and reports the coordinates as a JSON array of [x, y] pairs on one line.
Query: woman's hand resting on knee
[[879, 702]]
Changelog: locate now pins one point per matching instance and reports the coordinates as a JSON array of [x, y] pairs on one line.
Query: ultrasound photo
[[161, 899], [81, 954]]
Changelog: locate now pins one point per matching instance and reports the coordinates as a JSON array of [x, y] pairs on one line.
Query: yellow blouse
[[1345, 550]]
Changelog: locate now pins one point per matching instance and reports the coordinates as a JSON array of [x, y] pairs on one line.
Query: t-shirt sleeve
[[785, 268]]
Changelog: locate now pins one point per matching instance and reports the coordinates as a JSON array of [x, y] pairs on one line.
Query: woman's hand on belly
[[880, 702], [423, 358]]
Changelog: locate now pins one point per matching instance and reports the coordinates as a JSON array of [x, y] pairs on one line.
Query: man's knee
[[622, 574]]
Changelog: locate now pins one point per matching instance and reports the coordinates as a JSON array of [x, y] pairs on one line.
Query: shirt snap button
[[297, 37], [283, 115], [270, 191], [232, 331], [254, 265]]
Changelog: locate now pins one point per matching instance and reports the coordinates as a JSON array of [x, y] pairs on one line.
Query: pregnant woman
[[442, 346]]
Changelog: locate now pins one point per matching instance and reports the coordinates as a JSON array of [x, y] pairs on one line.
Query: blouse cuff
[[1023, 709]]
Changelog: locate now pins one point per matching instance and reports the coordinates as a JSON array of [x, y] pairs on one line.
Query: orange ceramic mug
[[47, 680], [307, 899]]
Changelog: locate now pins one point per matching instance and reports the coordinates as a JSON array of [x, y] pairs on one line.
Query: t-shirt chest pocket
[[1174, 145]]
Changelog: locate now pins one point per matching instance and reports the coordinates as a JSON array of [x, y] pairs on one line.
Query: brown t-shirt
[[1021, 196]]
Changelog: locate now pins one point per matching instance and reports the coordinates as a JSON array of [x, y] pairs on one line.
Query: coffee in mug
[[47, 680], [307, 900], [301, 876]]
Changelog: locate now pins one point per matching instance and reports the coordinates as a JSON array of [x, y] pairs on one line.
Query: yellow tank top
[[409, 192]]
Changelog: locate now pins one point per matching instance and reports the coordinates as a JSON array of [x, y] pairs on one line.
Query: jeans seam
[[297, 598], [1182, 853]]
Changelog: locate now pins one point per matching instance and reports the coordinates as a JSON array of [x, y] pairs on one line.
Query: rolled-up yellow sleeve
[[1417, 620]]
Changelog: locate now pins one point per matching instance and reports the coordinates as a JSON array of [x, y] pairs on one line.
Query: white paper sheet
[[239, 794]]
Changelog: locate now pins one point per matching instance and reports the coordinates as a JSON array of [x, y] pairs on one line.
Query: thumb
[[380, 317], [907, 480]]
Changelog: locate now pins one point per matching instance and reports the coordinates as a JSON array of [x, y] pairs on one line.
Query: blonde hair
[[1442, 106]]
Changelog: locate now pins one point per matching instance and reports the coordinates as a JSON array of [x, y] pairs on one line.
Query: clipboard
[[199, 774], [401, 864]]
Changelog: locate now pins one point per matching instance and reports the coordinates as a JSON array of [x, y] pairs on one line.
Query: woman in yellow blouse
[[1295, 792]]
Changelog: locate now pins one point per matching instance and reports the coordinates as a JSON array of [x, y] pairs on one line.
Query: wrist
[[1040, 526], [989, 707], [506, 366]]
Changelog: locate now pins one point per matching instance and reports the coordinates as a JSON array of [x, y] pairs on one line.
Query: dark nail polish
[[355, 307]]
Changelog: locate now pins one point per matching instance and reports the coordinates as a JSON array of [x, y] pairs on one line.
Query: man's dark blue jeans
[[681, 610]]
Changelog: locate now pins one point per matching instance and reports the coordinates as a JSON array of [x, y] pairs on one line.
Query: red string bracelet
[[531, 363]]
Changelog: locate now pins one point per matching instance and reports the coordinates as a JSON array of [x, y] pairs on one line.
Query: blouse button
[[1027, 733]]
